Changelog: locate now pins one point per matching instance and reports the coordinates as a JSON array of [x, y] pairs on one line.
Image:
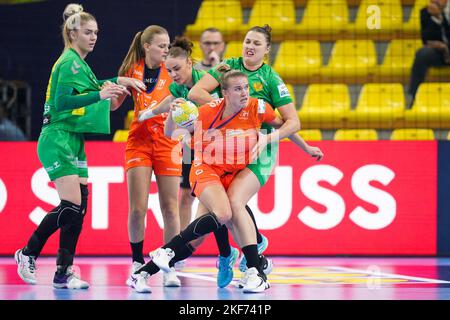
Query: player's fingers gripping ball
[[184, 114]]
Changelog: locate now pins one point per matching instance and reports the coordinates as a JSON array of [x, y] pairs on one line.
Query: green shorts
[[62, 153], [263, 166]]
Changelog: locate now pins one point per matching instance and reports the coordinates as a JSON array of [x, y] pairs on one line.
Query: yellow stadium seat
[[440, 74], [233, 49], [398, 60], [376, 17], [197, 53], [298, 61], [355, 134], [351, 61], [412, 134], [225, 15], [380, 106], [325, 106], [279, 14], [129, 119], [324, 17], [413, 23], [431, 108], [311, 135], [120, 136]]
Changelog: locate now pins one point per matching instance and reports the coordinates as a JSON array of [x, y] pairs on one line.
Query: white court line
[[200, 277], [337, 269], [390, 275]]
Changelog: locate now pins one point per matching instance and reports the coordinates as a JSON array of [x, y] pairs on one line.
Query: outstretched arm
[[162, 107], [199, 93]]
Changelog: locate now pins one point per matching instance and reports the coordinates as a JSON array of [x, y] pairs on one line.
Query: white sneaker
[[26, 267], [161, 257], [180, 265], [266, 264], [134, 267], [254, 282], [139, 282], [70, 280], [170, 279]]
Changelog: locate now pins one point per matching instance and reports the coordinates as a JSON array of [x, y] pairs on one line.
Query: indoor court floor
[[293, 278]]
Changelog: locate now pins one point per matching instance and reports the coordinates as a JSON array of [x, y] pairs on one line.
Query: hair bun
[[267, 28], [71, 9]]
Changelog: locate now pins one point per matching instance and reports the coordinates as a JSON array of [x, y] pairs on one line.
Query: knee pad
[[69, 214]]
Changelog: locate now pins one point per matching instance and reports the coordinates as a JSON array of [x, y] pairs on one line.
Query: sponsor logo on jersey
[[244, 115], [283, 90], [74, 68], [257, 86], [161, 84]]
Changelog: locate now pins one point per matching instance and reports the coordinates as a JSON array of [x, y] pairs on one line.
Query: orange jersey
[[148, 100], [225, 143], [147, 146]]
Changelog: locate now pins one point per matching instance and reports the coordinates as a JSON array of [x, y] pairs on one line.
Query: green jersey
[[264, 83], [182, 91], [73, 97]]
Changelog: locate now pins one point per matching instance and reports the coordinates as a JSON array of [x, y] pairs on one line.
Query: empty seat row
[[351, 61], [380, 106], [321, 17]]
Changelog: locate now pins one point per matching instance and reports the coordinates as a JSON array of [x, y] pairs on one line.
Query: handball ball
[[185, 114]]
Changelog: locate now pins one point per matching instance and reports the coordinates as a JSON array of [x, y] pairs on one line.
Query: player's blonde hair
[[136, 51], [74, 16], [228, 74]]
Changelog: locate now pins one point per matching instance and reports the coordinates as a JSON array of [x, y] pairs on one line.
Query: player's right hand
[[113, 91]]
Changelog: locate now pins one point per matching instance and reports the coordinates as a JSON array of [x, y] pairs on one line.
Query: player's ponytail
[[136, 51]]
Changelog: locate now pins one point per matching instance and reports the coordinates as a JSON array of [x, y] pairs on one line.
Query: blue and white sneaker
[[69, 280], [261, 248], [225, 266]]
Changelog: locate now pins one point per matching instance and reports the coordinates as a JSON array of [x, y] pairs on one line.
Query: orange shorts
[[203, 175], [157, 151]]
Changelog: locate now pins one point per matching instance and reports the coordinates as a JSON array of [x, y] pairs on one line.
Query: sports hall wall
[[383, 185]]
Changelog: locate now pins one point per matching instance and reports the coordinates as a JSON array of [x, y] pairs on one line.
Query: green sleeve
[[217, 74], [174, 90], [278, 91], [71, 87], [66, 98], [113, 80]]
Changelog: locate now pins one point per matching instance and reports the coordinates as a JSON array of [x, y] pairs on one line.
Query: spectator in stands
[[435, 33], [213, 47], [9, 131]]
